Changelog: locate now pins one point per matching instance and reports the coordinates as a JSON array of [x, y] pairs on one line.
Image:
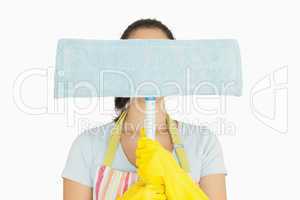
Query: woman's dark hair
[[120, 102]]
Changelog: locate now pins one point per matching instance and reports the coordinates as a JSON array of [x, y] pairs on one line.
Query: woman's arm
[[214, 186], [76, 191]]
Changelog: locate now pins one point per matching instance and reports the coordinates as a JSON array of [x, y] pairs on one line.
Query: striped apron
[[111, 183]]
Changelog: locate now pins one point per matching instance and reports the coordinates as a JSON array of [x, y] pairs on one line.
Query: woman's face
[[148, 33]]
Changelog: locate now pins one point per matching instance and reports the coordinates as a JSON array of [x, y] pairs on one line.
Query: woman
[[84, 175]]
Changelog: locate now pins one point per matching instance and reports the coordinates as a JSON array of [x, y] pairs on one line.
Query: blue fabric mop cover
[[138, 68]]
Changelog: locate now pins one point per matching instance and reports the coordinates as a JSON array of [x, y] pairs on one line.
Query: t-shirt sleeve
[[78, 164], [212, 156]]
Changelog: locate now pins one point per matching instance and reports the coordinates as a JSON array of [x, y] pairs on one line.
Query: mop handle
[[149, 120]]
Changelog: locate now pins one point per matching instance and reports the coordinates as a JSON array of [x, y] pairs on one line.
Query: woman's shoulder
[[190, 131], [199, 138], [96, 135], [85, 153], [90, 145], [100, 131], [92, 141], [203, 149]]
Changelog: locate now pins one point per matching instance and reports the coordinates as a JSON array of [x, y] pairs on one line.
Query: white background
[[262, 163]]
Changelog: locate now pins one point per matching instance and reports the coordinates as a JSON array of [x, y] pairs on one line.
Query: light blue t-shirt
[[202, 147]]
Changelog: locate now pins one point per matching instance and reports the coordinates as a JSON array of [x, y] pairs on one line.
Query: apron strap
[[179, 148], [116, 134], [114, 140]]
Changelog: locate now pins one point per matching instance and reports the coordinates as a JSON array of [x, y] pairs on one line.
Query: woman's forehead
[[147, 33]]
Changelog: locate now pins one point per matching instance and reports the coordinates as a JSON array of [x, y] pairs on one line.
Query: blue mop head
[[140, 68]]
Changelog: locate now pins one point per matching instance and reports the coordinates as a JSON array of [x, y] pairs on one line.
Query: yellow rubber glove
[[143, 191], [156, 165]]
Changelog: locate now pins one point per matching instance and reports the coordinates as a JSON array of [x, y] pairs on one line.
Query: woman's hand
[[157, 166], [143, 191], [152, 160]]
